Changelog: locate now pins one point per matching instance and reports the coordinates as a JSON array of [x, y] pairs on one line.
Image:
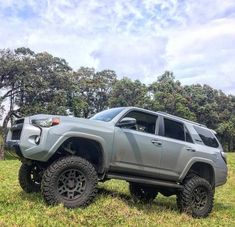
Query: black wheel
[[179, 202], [142, 192], [71, 181], [196, 198], [30, 178]]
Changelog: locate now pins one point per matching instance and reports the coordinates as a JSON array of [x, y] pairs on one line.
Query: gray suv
[[65, 157]]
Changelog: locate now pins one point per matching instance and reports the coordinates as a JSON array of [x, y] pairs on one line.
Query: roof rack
[[180, 118]]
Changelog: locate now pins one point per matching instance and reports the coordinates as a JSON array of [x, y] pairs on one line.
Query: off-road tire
[[142, 193], [196, 198], [81, 178], [179, 202], [26, 179]]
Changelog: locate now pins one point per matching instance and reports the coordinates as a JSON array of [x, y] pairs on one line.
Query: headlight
[[47, 122]]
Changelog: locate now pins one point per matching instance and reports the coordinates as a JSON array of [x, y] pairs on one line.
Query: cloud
[[139, 39], [205, 54], [129, 55]]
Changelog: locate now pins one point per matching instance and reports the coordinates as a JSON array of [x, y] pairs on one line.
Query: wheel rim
[[199, 198], [71, 184], [34, 175]]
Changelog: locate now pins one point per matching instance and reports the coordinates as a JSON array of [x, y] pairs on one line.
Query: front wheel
[[196, 198], [71, 181], [141, 192], [30, 178]]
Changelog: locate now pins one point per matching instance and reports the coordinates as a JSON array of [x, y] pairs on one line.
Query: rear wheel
[[71, 181], [196, 198], [30, 178], [141, 192]]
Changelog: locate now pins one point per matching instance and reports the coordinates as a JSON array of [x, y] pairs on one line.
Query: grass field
[[112, 207]]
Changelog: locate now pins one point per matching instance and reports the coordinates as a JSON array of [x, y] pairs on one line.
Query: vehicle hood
[[72, 120]]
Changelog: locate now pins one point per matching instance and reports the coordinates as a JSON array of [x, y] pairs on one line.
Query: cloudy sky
[[138, 39]]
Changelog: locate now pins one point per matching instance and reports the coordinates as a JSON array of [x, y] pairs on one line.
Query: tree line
[[41, 83]]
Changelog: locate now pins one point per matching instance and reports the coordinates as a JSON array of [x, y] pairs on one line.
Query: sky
[[137, 39]]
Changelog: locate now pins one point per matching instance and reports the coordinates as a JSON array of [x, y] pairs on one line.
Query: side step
[[141, 180]]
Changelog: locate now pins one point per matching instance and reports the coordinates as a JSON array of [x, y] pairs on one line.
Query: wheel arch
[[87, 146], [203, 168]]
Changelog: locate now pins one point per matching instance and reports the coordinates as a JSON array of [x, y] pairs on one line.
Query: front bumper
[[24, 146]]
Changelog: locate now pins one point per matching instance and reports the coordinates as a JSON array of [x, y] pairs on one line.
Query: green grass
[[112, 207]]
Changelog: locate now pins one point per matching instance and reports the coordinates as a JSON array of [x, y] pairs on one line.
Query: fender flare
[[192, 162], [73, 134]]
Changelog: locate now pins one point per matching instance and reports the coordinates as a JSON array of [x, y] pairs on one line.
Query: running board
[[141, 180]]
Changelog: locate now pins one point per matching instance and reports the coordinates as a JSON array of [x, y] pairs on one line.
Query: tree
[[33, 83], [11, 74], [91, 91], [167, 95], [129, 93], [46, 86], [226, 131]]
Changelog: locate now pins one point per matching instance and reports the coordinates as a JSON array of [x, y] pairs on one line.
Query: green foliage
[[168, 96], [128, 93], [112, 207], [90, 91], [34, 83]]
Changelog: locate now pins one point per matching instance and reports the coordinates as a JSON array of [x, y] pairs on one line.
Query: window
[[188, 137], [107, 115], [144, 122], [174, 129], [207, 136]]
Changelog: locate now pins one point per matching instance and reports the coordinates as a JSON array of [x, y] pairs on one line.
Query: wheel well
[[203, 170], [85, 148]]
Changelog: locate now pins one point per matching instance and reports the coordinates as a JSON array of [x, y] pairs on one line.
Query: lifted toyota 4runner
[[65, 157]]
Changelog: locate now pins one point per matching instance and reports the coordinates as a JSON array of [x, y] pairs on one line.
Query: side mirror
[[127, 121]]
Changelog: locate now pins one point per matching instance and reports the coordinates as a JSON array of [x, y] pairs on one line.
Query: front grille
[[16, 134], [19, 121], [16, 129]]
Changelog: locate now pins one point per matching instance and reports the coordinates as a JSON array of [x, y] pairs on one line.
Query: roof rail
[[180, 118]]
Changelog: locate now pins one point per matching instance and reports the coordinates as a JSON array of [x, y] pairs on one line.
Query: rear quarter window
[[207, 137]]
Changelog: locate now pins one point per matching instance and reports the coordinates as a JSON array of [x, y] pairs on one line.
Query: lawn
[[112, 207]]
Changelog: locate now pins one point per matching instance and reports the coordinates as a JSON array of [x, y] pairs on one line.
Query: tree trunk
[[1, 152], [4, 127]]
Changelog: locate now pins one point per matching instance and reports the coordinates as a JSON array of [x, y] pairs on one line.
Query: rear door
[[178, 147]]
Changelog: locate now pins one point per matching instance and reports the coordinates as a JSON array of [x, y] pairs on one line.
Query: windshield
[[107, 115]]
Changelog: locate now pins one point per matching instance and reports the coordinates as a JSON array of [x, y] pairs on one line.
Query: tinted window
[[144, 122], [188, 137], [107, 115], [207, 137], [174, 129]]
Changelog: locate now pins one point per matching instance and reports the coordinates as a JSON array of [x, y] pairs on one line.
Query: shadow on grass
[[162, 203], [169, 204], [223, 206]]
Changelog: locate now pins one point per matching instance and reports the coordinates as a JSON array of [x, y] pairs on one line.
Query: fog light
[[37, 139]]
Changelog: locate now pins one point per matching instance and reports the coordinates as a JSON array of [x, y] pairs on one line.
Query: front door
[[138, 149]]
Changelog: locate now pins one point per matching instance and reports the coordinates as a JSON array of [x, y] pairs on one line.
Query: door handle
[[156, 142], [190, 149]]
